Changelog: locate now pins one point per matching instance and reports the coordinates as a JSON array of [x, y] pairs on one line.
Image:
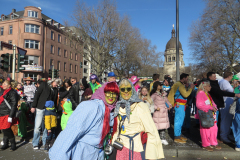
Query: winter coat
[[12, 99], [160, 117], [75, 94], [217, 94], [50, 115]]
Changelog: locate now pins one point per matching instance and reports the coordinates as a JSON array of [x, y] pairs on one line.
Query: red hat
[[88, 92], [134, 79]]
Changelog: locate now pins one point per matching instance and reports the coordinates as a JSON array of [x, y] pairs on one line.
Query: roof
[[172, 42]]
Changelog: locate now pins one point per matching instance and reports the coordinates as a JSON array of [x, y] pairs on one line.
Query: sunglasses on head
[[124, 89]]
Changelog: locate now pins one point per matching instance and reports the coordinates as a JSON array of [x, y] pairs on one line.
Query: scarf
[[4, 93], [127, 103], [99, 94]]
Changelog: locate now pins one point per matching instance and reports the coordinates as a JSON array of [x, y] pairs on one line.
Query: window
[[173, 59], [10, 42], [65, 40], [71, 55], [3, 18], [85, 62], [10, 29], [76, 67], [12, 16], [52, 35], [65, 53], [2, 30], [32, 28], [65, 67], [51, 63], [32, 60], [59, 38], [169, 59], [59, 51], [76, 56], [52, 49], [85, 70], [71, 68], [59, 66], [33, 14], [31, 44]]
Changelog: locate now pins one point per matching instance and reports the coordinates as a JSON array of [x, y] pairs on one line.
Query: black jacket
[[12, 99], [75, 94], [41, 96], [217, 94], [67, 94]]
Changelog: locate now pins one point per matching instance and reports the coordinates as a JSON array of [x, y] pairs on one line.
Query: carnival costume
[[135, 117], [83, 135], [67, 112]]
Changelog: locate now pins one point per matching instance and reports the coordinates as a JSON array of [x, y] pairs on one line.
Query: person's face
[[207, 88], [28, 82], [73, 81], [5, 86], [159, 87], [93, 81], [19, 86], [81, 87], [126, 91], [66, 84], [213, 77], [110, 97], [144, 92], [112, 79], [37, 84], [230, 77], [185, 80], [54, 84]]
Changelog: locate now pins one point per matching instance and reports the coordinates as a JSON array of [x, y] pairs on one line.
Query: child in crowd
[[160, 115], [67, 112], [145, 96], [19, 89], [22, 126], [50, 123]]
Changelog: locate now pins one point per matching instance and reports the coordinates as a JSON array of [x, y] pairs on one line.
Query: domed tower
[[170, 57]]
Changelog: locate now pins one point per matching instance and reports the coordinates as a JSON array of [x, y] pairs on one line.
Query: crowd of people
[[118, 121]]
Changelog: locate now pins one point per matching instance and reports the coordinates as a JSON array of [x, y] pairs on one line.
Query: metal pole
[[177, 41], [52, 72], [14, 62]]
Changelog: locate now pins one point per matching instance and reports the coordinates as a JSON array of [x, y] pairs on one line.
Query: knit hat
[[88, 92]]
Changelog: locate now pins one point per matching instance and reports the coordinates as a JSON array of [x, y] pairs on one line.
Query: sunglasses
[[108, 94], [125, 89]]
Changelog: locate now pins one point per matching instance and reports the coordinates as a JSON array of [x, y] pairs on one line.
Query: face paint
[[110, 97], [126, 91]]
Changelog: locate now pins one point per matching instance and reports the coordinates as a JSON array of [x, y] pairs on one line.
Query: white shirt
[[225, 86]]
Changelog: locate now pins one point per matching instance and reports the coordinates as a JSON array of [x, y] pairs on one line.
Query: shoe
[[208, 148], [179, 140], [216, 147], [13, 144], [47, 145], [183, 139], [237, 149], [52, 142], [164, 142], [5, 144], [35, 147], [219, 141]]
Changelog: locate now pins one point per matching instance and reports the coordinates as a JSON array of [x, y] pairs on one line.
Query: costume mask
[[126, 91], [110, 97]]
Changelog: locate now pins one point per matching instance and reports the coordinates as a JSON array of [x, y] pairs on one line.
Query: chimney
[[13, 10]]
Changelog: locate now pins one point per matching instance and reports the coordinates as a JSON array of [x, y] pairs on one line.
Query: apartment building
[[46, 43]]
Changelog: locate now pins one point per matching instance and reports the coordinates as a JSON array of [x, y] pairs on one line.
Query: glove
[[9, 120]]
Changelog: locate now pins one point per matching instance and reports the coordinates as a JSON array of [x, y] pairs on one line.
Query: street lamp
[[177, 41]]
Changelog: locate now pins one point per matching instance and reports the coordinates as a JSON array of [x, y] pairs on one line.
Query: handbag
[[18, 112], [232, 109], [206, 118]]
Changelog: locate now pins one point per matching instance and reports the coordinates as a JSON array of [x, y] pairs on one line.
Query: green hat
[[235, 77]]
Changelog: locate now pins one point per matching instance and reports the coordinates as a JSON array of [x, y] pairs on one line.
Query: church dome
[[172, 42]]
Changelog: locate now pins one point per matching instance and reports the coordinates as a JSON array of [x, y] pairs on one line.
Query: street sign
[[21, 51], [7, 45]]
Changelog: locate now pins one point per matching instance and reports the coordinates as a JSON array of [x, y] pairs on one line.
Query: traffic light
[[22, 60], [50, 73], [6, 62], [55, 73], [81, 65]]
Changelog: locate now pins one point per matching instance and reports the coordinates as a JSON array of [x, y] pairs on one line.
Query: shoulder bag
[[206, 118]]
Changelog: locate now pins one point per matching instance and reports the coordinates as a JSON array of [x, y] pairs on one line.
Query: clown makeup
[[126, 91], [110, 97]]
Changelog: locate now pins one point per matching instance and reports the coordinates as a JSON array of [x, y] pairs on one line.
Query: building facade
[[46, 43], [170, 57]]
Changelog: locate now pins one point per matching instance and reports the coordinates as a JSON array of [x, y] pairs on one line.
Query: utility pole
[[52, 72], [14, 62], [177, 41]]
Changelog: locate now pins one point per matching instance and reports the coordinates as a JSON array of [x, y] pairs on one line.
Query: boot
[[5, 145], [52, 142], [47, 145], [13, 144]]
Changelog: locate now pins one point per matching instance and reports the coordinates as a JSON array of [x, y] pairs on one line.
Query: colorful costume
[[82, 136], [138, 119], [67, 112], [178, 98], [208, 135], [236, 126], [95, 86], [22, 126]]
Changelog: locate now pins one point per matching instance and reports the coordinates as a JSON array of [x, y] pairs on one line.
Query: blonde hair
[[125, 82], [202, 85], [149, 99]]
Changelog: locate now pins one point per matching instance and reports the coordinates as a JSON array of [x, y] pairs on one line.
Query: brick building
[[45, 42]]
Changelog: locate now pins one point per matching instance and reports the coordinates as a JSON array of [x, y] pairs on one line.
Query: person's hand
[[49, 131], [68, 88], [33, 110], [9, 120], [214, 109], [170, 107], [192, 86]]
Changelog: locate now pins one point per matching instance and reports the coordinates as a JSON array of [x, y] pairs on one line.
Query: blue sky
[[154, 18]]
